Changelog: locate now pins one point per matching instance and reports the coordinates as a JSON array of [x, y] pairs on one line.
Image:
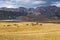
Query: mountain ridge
[[52, 12]]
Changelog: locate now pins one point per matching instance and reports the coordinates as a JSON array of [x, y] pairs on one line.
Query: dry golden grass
[[27, 31]]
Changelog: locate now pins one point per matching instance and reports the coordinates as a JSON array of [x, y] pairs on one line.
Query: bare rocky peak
[[51, 11]]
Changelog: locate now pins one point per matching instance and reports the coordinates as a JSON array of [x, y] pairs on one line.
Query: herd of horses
[[33, 24]]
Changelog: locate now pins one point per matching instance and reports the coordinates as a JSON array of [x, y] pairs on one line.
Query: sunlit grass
[[27, 31]]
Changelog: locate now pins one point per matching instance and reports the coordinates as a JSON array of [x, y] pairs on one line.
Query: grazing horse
[[4, 25], [41, 24], [8, 25], [15, 24], [37, 23], [27, 24], [34, 24]]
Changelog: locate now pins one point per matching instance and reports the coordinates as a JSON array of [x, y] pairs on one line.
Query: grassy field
[[27, 31]]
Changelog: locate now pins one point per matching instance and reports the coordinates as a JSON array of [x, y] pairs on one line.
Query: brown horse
[[27, 24], [8, 25], [41, 24], [15, 24], [34, 24]]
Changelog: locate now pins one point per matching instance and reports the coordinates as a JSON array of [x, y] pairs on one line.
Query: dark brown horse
[[41, 24]]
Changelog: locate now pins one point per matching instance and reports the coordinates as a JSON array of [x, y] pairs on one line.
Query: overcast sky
[[28, 3]]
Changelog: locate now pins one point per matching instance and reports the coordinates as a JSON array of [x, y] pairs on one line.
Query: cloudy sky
[[28, 3]]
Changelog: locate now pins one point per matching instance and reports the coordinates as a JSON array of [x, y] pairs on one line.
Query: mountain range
[[40, 13]]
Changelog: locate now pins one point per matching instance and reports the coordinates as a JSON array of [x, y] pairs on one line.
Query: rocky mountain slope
[[43, 12]]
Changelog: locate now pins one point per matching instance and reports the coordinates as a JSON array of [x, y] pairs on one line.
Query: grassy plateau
[[29, 31]]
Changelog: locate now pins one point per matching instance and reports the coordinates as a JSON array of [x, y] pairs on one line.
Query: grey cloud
[[23, 3]]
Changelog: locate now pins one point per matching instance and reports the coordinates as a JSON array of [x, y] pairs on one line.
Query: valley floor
[[29, 31]]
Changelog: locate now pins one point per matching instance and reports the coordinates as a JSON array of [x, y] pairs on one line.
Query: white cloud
[[8, 6], [38, 2], [20, 3], [56, 3], [24, 1]]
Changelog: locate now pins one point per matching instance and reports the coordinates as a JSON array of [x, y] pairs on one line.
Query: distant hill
[[51, 11], [32, 14]]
